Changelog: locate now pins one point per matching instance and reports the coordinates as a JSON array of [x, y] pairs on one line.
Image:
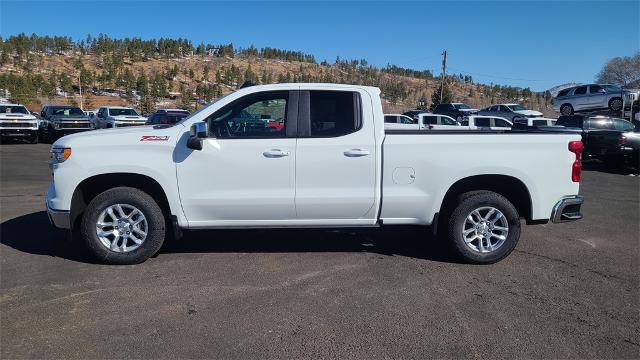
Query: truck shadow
[[599, 166], [33, 234]]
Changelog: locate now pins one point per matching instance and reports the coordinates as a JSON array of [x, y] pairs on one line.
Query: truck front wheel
[[123, 225], [484, 227]]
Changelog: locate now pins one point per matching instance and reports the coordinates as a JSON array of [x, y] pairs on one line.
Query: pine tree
[[446, 96], [205, 72]]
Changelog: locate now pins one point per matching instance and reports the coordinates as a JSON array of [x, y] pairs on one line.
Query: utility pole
[[80, 87], [444, 71]]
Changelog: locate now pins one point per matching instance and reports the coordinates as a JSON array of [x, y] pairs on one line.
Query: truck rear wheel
[[123, 225], [484, 227]]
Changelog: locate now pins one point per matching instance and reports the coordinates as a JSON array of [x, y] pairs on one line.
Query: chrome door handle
[[356, 152], [275, 153]]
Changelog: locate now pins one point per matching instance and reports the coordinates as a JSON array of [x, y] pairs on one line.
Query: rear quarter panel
[[541, 161]]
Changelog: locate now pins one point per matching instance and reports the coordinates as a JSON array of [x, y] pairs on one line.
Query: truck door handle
[[356, 152], [275, 153]]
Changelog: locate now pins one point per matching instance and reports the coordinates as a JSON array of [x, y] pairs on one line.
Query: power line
[[494, 76]]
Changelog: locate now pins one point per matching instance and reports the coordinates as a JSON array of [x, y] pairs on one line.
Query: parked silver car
[[589, 97], [510, 112]]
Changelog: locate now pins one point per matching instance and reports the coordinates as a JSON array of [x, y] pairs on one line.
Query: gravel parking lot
[[568, 291]]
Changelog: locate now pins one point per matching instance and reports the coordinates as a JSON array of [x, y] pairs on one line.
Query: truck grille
[[73, 125], [17, 125], [130, 124]]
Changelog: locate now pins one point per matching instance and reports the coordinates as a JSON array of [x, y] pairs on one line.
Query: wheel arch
[[90, 187], [508, 186]]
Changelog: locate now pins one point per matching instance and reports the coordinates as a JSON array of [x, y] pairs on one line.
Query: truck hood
[[122, 136], [14, 116], [128, 118], [528, 112]]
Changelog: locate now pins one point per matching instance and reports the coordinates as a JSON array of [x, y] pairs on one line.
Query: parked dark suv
[[60, 120], [166, 116], [455, 110], [600, 135]]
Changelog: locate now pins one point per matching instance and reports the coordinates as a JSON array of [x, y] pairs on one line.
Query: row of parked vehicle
[[612, 140], [55, 121]]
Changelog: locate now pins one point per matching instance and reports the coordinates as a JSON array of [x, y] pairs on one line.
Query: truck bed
[[449, 157]]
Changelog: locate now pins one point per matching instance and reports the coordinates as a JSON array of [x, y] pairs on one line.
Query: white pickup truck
[[424, 121], [308, 155], [16, 122]]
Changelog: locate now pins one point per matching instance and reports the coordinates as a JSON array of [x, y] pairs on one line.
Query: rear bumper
[[567, 209]]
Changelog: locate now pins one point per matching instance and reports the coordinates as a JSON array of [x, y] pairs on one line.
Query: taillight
[[576, 147], [622, 140]]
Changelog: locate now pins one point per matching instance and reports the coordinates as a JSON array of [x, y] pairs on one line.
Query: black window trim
[[304, 113], [291, 121]]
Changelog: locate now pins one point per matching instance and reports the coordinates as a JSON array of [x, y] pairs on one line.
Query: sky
[[536, 44]]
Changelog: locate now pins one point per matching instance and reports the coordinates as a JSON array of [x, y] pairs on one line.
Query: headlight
[[60, 154]]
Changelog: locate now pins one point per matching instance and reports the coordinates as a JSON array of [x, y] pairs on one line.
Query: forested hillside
[[175, 72]]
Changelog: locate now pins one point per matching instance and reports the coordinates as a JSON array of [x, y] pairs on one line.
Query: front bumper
[[567, 209], [59, 218], [9, 132]]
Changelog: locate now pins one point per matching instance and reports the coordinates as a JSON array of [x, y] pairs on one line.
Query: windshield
[[461, 106], [517, 107], [4, 109], [612, 88], [66, 110], [119, 112]]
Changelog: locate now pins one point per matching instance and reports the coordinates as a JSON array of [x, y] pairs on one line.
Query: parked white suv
[[589, 97], [330, 164], [115, 116]]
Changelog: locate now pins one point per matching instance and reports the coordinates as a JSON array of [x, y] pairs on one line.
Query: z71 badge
[[153, 138]]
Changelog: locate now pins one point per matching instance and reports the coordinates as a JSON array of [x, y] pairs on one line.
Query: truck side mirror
[[197, 132]]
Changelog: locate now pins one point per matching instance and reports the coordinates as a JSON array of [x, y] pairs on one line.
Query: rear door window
[[580, 90], [407, 120], [501, 123], [483, 121], [390, 119], [593, 89], [447, 121], [601, 124], [430, 120], [622, 125], [333, 113]]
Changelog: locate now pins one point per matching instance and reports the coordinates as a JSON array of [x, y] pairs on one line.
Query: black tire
[[566, 110], [109, 126], [615, 104], [124, 195], [468, 202]]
